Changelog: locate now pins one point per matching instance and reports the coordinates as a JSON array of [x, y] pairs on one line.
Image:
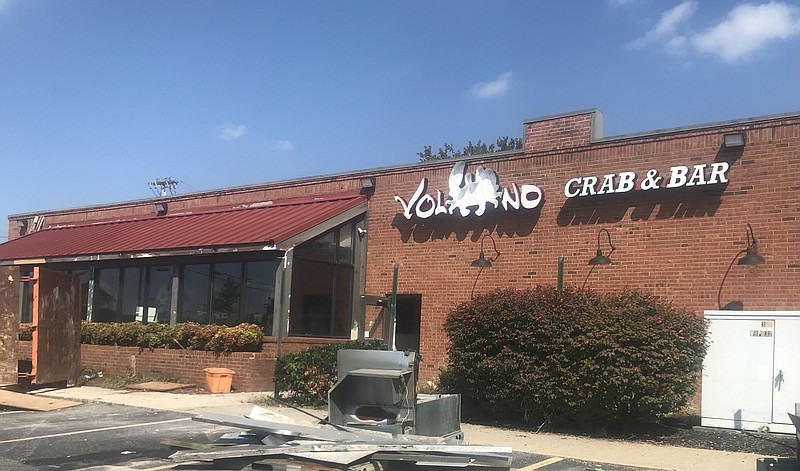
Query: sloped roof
[[260, 224]]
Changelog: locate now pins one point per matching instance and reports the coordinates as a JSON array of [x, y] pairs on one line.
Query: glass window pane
[[312, 298], [323, 248], [27, 298], [159, 294], [194, 293], [85, 277], [260, 294], [227, 293], [346, 244], [131, 305], [343, 301], [106, 295]]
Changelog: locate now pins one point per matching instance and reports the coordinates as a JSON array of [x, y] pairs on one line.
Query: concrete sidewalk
[[565, 446]]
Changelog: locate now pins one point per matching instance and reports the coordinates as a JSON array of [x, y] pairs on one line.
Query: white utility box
[[751, 373]]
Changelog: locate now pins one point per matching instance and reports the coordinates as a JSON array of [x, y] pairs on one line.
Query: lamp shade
[[600, 259], [482, 261], [752, 258]]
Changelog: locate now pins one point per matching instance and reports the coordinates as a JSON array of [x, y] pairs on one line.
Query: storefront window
[[140, 294], [195, 285], [210, 293], [159, 294], [259, 294], [106, 295], [220, 287], [227, 294], [131, 309], [322, 285], [322, 248], [312, 298], [346, 244], [343, 289]]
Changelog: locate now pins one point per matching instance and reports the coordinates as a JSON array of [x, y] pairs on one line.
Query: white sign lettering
[[679, 176], [469, 193]]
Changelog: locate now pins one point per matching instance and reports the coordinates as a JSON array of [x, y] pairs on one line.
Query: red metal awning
[[257, 226]]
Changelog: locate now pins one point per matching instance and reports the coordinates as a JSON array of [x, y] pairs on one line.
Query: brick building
[[296, 256]]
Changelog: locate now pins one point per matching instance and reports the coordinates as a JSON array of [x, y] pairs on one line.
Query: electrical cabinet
[[751, 372]]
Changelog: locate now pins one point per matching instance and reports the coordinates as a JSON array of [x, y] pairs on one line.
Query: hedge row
[[306, 377], [577, 357], [189, 335]]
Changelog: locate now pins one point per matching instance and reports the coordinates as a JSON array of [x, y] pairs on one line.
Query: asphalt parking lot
[[113, 437], [95, 436]]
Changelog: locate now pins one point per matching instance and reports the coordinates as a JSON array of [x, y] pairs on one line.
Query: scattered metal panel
[[328, 433], [455, 455], [9, 324], [439, 415], [57, 321], [334, 457]]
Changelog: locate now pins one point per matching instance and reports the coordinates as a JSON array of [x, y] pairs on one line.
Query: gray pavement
[[564, 446]]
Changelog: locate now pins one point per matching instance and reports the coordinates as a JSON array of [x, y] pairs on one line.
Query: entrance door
[[409, 313], [57, 326]]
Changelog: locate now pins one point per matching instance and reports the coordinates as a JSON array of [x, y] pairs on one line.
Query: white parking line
[[118, 427], [541, 464]]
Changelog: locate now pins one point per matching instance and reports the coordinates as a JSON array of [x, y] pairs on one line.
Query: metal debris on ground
[[279, 446], [376, 422]]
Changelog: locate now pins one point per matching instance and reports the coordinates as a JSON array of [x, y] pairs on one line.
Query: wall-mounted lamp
[[22, 224], [161, 208], [367, 182], [751, 259], [734, 140], [483, 262], [601, 259]]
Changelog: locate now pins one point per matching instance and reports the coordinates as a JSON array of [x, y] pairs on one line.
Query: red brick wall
[[559, 132], [253, 371], [674, 243]]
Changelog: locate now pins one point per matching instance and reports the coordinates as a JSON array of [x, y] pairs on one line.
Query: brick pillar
[[563, 131]]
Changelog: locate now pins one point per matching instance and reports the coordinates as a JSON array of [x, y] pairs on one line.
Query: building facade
[[310, 257]]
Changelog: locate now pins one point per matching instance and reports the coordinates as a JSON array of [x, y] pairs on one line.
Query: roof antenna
[[160, 186]]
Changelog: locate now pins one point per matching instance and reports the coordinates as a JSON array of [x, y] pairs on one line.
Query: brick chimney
[[563, 131]]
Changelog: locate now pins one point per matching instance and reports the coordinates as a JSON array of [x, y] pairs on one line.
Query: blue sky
[[98, 97]]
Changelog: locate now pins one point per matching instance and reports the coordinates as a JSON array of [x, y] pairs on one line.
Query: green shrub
[[239, 338], [100, 333], [577, 358], [194, 336], [156, 336], [307, 376], [216, 338]]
